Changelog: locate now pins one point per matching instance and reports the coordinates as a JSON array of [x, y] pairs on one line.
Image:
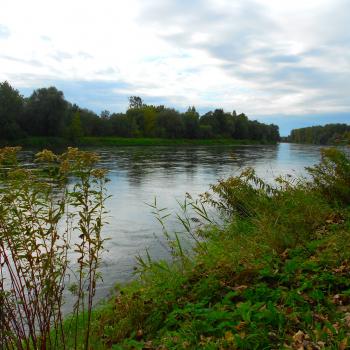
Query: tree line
[[47, 113], [321, 135]]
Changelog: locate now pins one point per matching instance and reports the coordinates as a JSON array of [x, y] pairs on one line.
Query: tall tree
[[321, 135], [75, 130], [150, 118], [135, 102], [11, 109], [191, 123], [105, 114], [46, 113], [170, 124]]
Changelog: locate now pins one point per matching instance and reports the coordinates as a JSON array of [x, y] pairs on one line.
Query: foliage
[[332, 176], [135, 102], [75, 131], [46, 113], [271, 271], [43, 219], [321, 135], [11, 108]]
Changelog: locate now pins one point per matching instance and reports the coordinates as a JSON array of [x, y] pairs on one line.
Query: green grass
[[275, 274], [123, 141], [49, 142], [41, 142]]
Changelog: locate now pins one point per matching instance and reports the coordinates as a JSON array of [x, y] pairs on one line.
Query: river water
[[139, 174]]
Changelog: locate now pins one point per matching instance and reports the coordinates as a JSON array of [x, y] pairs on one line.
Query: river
[[139, 174]]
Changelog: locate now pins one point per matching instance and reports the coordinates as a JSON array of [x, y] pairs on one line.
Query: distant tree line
[[46, 113], [321, 135]]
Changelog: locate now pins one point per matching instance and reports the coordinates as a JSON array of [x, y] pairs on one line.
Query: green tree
[[135, 102], [150, 118], [191, 123], [320, 135], [241, 127], [105, 114], [46, 113], [170, 124], [75, 128], [11, 109]]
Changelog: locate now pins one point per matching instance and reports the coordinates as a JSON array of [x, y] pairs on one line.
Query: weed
[[42, 219]]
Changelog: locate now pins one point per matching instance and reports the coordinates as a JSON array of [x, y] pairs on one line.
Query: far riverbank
[[43, 142]]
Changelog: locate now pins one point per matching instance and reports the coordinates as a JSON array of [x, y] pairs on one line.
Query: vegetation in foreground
[[43, 219], [264, 267], [272, 273], [48, 115]]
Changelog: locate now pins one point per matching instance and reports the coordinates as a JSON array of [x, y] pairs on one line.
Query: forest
[[46, 113], [321, 135]]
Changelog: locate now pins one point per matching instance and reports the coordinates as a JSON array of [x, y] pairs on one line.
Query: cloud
[[61, 55], [45, 38], [257, 47], [4, 32], [93, 95], [31, 62], [261, 57]]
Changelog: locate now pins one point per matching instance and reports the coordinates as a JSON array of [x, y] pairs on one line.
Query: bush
[[270, 270], [332, 176], [43, 218]]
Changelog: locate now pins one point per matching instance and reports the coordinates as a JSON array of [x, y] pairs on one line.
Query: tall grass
[[257, 266], [43, 218], [270, 270]]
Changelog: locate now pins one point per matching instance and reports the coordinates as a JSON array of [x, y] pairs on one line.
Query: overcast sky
[[286, 62]]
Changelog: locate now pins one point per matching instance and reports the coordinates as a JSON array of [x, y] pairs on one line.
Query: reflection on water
[[138, 175]]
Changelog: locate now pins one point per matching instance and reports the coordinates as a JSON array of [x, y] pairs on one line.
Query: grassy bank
[[43, 142], [122, 141], [38, 142], [273, 274]]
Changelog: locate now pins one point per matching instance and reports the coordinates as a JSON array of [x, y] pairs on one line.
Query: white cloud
[[260, 57]]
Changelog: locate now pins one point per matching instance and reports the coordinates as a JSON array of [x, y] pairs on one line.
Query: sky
[[283, 62]]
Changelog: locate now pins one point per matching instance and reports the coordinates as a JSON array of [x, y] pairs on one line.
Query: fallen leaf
[[240, 326], [229, 337], [346, 319], [139, 334], [343, 344], [240, 288], [299, 336]]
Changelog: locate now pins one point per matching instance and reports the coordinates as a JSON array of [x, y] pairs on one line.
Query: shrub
[[46, 213], [332, 176]]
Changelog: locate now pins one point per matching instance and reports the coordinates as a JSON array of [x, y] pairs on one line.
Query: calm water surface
[[138, 175]]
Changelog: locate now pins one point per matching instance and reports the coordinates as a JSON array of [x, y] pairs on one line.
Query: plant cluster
[[51, 217], [269, 270], [46, 113], [321, 135]]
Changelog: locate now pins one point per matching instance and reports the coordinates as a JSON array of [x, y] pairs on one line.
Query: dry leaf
[[240, 326], [298, 337], [229, 337], [346, 319], [343, 344], [240, 288]]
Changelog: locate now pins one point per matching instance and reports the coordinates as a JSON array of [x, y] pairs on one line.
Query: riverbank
[[120, 141], [274, 274], [44, 142]]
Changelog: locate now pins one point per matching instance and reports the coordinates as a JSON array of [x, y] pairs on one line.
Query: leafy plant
[[46, 213], [270, 272]]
